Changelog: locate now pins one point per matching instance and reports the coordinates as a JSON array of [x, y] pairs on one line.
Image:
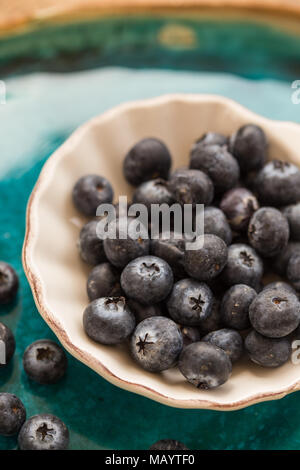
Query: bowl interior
[[58, 276]]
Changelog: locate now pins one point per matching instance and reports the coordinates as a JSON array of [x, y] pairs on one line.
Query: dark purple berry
[[9, 283], [43, 432], [292, 213], [205, 365], [104, 281], [215, 223], [244, 266], [191, 187], [156, 343], [239, 204], [267, 352], [148, 159], [153, 192], [249, 147], [90, 244], [12, 414], [268, 231], [293, 271], [90, 192], [45, 362], [108, 320], [235, 306], [229, 340]]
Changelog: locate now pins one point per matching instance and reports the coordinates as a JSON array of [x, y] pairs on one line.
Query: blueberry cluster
[[44, 362], [199, 309]]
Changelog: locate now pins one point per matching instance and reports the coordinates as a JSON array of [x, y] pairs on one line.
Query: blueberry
[[210, 138], [204, 365], [8, 339], [215, 223], [190, 302], [214, 321], [292, 213], [280, 261], [104, 281], [9, 283], [279, 285], [244, 266], [235, 306], [218, 164], [90, 244], [141, 312], [170, 247], [43, 432], [89, 192], [153, 192], [207, 262], [168, 444], [146, 160], [190, 334], [293, 271], [191, 187], [156, 344], [124, 248], [278, 183], [45, 362], [275, 313], [147, 279], [267, 352], [268, 231], [108, 320], [229, 340], [12, 414], [249, 147], [239, 204]]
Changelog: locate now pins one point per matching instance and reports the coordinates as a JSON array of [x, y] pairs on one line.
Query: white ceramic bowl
[[58, 277]]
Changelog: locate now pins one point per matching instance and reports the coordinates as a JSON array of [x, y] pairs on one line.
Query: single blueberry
[[108, 320], [191, 187], [168, 444], [244, 266], [153, 192], [267, 352], [204, 365], [229, 340], [280, 285], [292, 214], [207, 262], [268, 231], [214, 321], [147, 279], [43, 432], [146, 160], [235, 306], [103, 281], [190, 302], [275, 313], [8, 340], [210, 138], [9, 283], [190, 334], [124, 246], [278, 183], [215, 223], [45, 362], [91, 191], [218, 164], [281, 260], [156, 344], [90, 244], [249, 147], [12, 414], [293, 271], [170, 247], [239, 204], [141, 312]]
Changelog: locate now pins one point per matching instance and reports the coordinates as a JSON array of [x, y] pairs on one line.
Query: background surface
[[41, 111]]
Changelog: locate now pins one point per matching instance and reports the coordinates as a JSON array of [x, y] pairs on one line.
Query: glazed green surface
[[40, 113], [247, 48]]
